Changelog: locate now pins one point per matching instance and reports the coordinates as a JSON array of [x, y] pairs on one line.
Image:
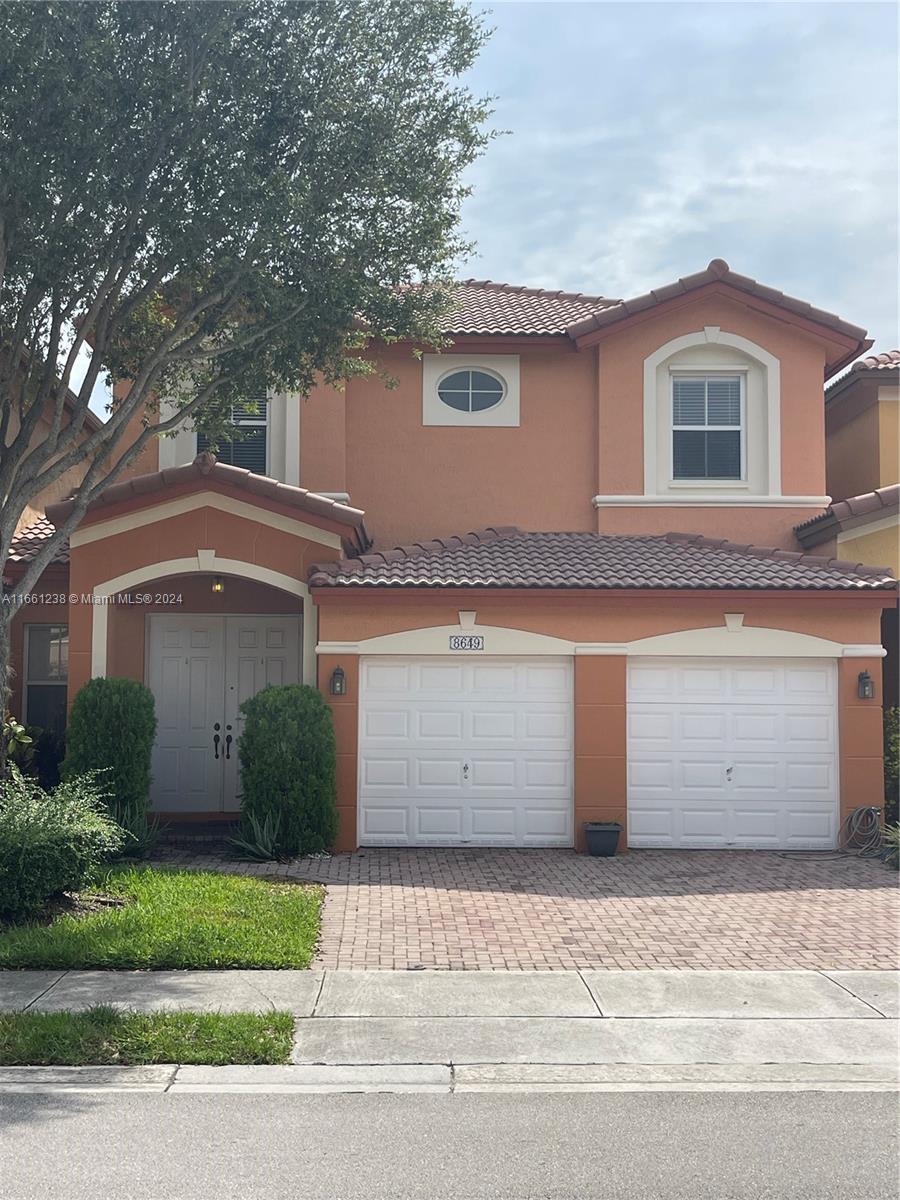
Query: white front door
[[200, 669], [736, 753], [456, 751]]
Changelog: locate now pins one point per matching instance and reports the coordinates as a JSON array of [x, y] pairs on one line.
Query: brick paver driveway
[[555, 910]]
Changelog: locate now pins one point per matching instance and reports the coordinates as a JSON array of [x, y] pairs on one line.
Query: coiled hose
[[862, 833]]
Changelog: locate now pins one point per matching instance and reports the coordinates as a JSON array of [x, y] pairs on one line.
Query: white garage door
[[732, 753], [457, 752]]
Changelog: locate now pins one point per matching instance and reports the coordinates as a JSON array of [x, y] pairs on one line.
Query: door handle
[[465, 769], [729, 771], [228, 741], [216, 740]]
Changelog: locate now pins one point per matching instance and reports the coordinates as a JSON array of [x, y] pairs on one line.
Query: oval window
[[471, 391]]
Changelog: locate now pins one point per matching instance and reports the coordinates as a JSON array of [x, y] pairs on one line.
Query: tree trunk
[[6, 616]]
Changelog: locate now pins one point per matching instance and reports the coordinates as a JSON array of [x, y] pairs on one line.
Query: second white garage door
[[732, 752], [465, 752]]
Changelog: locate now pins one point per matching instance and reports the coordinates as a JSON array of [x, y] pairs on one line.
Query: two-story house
[[552, 576]]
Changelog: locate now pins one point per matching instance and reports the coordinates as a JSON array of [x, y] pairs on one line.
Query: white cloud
[[767, 138]]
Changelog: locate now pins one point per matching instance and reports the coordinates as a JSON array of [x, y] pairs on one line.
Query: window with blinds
[[707, 427], [250, 450]]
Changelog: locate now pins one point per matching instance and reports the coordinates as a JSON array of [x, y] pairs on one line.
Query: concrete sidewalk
[[588, 1030]]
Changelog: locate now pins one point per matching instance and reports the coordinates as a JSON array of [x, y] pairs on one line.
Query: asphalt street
[[643, 1146]]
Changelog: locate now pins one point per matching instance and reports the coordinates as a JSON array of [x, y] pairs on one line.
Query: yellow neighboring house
[[862, 431]]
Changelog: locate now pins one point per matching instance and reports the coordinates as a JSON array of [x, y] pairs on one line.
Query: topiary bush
[[288, 761], [50, 842], [112, 727]]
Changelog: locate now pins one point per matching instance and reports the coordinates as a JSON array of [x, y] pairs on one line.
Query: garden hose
[[862, 834]]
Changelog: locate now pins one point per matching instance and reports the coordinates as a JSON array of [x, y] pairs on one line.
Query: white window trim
[[282, 442], [705, 374], [251, 422], [27, 681], [504, 367], [712, 334]]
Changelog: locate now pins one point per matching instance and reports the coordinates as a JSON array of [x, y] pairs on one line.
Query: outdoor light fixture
[[338, 682], [218, 584], [865, 686]]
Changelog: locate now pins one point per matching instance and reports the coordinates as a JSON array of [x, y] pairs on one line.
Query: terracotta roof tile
[[855, 510], [717, 271], [510, 558], [887, 361], [29, 540], [482, 307], [205, 466]]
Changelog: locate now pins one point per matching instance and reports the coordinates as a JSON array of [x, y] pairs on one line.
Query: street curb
[[446, 1079]]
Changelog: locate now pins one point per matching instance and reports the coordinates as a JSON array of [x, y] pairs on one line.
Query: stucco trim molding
[[746, 641], [720, 641], [713, 334], [435, 639], [101, 529], [717, 500], [202, 563]]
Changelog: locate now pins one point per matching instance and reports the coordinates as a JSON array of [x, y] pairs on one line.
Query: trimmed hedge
[[112, 727], [50, 842], [288, 764]]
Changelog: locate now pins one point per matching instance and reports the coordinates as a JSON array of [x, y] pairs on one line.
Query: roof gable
[[150, 490]]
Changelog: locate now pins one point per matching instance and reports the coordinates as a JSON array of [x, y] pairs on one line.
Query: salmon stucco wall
[[860, 737], [345, 714], [623, 352], [417, 481], [609, 618], [601, 784]]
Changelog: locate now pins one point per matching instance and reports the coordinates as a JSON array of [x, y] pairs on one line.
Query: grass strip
[[176, 919], [105, 1036]]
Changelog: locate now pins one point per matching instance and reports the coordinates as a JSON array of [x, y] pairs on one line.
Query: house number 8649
[[466, 641]]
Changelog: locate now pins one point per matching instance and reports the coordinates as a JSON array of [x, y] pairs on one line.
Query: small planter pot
[[602, 838]]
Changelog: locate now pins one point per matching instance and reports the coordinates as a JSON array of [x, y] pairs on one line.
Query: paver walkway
[[555, 910]]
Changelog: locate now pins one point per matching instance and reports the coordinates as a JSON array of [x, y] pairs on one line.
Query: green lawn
[[176, 919], [107, 1037]]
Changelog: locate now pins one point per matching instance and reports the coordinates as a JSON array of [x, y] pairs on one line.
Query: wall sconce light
[[338, 682], [218, 585], [865, 686]]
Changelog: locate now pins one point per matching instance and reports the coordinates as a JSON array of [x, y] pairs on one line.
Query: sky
[[644, 139], [647, 138]]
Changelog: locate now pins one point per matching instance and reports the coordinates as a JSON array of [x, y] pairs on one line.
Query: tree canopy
[[216, 197]]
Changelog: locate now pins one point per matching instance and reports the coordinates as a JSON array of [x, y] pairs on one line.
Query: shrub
[[891, 849], [50, 842], [892, 764], [112, 727], [287, 755]]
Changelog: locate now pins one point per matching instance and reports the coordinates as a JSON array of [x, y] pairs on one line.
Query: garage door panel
[[390, 773], [754, 765], [439, 822], [440, 725], [386, 822], [546, 826], [815, 683], [435, 679], [695, 775], [382, 723], [508, 721], [445, 774]]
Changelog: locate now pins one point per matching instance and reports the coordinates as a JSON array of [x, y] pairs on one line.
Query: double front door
[[200, 670]]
